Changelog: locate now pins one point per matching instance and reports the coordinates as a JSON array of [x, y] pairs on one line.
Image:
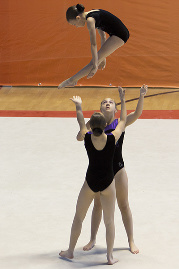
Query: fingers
[[91, 74], [121, 93], [121, 90], [101, 66], [76, 99], [144, 86], [143, 89]]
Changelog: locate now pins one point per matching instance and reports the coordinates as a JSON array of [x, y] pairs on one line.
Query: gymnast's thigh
[[85, 198]]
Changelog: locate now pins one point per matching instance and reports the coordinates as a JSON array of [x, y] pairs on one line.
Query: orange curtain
[[39, 46]]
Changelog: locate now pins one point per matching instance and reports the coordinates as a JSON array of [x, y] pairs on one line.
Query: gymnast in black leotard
[[104, 22], [108, 108], [100, 170], [99, 176], [118, 162]]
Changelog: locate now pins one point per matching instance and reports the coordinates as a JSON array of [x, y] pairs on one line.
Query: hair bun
[[97, 131], [80, 7]]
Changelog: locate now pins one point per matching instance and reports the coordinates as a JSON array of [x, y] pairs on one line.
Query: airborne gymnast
[[104, 22]]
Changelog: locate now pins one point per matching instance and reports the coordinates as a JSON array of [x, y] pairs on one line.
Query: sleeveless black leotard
[[100, 174], [109, 23], [118, 162]]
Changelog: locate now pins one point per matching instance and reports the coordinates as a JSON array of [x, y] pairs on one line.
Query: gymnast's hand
[[102, 65], [67, 83], [92, 72], [143, 90], [77, 100], [121, 93]]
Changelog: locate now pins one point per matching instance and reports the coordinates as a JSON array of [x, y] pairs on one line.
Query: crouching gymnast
[[104, 22]]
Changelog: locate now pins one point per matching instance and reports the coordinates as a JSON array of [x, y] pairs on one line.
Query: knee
[[123, 206], [109, 221]]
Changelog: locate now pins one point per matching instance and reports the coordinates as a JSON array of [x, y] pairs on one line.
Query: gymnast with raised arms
[[108, 109], [99, 176]]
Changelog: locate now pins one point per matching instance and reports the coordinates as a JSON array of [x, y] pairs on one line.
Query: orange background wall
[[39, 46]]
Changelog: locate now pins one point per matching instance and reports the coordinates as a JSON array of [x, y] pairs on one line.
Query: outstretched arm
[[132, 117], [94, 52], [102, 34], [80, 118], [121, 123]]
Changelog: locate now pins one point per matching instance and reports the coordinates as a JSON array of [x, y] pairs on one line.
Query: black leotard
[[100, 174], [118, 162], [109, 23]]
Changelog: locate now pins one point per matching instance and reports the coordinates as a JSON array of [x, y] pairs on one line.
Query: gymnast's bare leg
[[85, 198], [95, 222], [121, 182], [108, 198], [111, 44]]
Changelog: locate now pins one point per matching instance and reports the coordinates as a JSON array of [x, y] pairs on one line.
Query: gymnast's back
[[109, 23], [100, 173]]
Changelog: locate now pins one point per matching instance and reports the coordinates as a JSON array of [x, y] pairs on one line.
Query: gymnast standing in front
[[99, 176], [109, 109], [105, 22]]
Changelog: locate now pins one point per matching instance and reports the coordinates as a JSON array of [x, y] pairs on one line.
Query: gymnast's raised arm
[[80, 118], [121, 125], [133, 116]]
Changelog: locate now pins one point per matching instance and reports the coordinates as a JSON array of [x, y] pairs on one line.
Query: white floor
[[42, 168]]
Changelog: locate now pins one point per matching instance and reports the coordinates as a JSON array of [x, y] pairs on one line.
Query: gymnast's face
[[108, 105], [78, 22]]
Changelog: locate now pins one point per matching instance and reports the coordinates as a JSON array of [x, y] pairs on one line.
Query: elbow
[[137, 114], [79, 138], [93, 45]]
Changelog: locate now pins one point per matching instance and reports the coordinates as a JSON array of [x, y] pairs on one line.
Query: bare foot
[[66, 254], [112, 261], [90, 245], [133, 248], [67, 83]]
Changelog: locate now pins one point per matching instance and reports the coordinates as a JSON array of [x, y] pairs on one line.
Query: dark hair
[[97, 131], [74, 11], [97, 123]]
